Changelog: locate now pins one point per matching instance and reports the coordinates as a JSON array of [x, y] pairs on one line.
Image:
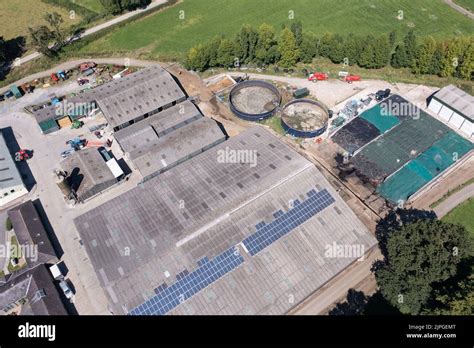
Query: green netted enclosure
[[381, 119], [418, 172], [401, 144]]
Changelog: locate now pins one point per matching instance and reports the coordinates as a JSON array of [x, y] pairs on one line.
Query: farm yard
[[170, 33]]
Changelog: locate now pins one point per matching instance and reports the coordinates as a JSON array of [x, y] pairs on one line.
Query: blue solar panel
[[161, 288], [284, 223], [190, 284], [202, 261], [278, 214]]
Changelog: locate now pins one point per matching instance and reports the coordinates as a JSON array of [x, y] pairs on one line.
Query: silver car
[[66, 289]]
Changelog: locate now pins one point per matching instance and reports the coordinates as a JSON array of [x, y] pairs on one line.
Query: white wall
[[6, 196]]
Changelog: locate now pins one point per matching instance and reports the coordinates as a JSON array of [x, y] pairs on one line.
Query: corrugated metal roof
[[176, 146], [9, 174], [207, 205], [457, 100], [89, 170], [130, 97], [29, 230], [143, 132]]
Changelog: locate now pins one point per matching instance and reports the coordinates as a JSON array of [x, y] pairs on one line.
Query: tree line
[[50, 37], [118, 6], [262, 47], [427, 268]]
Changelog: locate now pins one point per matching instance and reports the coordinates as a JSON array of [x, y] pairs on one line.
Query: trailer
[[301, 93], [16, 91]]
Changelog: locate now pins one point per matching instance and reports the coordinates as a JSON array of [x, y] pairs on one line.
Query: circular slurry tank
[[254, 100], [305, 118]]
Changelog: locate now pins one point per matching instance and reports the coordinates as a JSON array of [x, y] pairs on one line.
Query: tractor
[[77, 124], [22, 155], [351, 78], [318, 76]]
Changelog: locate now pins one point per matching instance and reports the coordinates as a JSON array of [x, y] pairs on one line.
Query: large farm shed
[[455, 107], [222, 237], [400, 152], [11, 183], [123, 101], [29, 230], [136, 96], [168, 138], [88, 173], [171, 149]]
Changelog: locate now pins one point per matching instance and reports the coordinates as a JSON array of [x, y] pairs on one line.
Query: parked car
[[381, 94], [67, 153], [66, 289]]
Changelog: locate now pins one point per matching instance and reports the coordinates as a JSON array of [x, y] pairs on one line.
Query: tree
[[455, 296], [352, 48], [423, 60], [366, 58], [392, 38], [40, 38], [466, 66], [288, 49], [8, 224], [2, 51], [324, 45], [226, 53], [246, 43], [450, 61], [418, 255], [111, 6], [212, 50], [336, 53], [308, 48], [55, 20], [399, 57], [266, 39], [197, 59], [131, 5], [297, 30], [436, 60], [411, 46], [382, 51]]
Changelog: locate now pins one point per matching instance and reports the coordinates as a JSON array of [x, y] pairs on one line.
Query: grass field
[[17, 15], [467, 4], [166, 34], [463, 214]]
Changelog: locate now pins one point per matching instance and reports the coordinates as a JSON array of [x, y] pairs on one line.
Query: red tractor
[[22, 155], [351, 78], [318, 76]]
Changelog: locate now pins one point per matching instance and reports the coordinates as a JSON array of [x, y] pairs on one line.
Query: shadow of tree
[[11, 49], [357, 303]]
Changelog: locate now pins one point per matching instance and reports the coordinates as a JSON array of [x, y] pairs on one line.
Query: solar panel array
[[286, 222], [188, 284]]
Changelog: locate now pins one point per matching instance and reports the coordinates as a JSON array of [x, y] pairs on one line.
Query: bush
[[8, 224]]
